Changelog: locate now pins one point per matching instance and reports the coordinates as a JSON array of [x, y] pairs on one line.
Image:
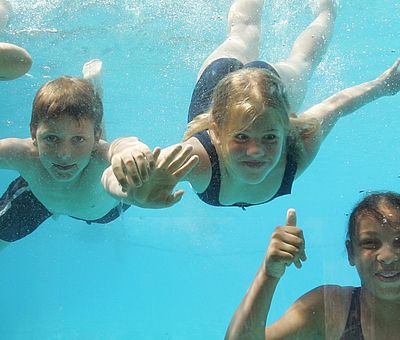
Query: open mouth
[[389, 276]]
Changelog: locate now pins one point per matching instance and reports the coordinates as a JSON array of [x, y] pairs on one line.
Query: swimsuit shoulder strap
[[211, 194], [353, 330]]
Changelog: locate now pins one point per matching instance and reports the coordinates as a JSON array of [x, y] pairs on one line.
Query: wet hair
[[372, 205], [243, 96], [67, 96]]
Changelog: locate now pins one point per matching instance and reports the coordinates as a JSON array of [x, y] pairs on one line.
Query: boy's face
[[65, 146]]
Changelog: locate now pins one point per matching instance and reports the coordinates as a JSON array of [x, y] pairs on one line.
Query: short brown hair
[[67, 96]]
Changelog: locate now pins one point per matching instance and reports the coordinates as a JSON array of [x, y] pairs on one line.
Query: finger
[[180, 159], [140, 166], [175, 197], [135, 170], [150, 161], [171, 156], [291, 217], [186, 168], [119, 171], [297, 262], [156, 154]]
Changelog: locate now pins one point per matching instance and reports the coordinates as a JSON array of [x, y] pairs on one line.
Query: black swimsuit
[[211, 194], [353, 330], [21, 212], [201, 100]]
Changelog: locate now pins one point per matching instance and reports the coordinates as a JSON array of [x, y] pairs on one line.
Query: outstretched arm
[[327, 113], [286, 247]]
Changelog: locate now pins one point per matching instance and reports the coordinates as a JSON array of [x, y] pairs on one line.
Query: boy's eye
[[51, 138], [369, 244], [78, 139], [396, 242]]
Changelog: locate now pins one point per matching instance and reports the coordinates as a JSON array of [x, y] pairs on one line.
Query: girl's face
[[376, 254], [254, 151]]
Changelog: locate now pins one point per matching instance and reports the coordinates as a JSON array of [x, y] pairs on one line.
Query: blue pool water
[[179, 274]]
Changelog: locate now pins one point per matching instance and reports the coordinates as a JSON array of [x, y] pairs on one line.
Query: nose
[[388, 255], [255, 148], [63, 151]]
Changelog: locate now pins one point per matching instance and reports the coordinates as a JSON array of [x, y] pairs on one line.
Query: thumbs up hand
[[287, 246]]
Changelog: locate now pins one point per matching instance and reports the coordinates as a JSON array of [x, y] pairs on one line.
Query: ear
[[97, 134], [213, 133], [33, 135], [350, 255]]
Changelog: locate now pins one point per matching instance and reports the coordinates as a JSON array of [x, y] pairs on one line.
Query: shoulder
[[200, 176], [323, 309], [17, 152]]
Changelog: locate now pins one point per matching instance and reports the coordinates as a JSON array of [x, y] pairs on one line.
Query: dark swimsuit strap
[[353, 329], [211, 194]]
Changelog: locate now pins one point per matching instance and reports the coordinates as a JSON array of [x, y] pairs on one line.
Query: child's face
[[253, 151], [376, 254], [65, 146]]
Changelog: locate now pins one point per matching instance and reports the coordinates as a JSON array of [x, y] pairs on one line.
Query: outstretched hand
[[287, 246], [390, 80], [158, 190]]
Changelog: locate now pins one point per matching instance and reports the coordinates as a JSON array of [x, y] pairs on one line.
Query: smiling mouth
[[64, 167], [389, 276], [254, 164]]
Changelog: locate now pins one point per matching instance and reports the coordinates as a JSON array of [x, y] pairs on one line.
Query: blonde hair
[[69, 96], [243, 96]]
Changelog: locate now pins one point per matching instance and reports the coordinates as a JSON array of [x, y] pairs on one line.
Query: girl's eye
[[369, 244], [241, 137], [396, 242], [270, 137]]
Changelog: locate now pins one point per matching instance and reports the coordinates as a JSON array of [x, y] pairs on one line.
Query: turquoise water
[[180, 273]]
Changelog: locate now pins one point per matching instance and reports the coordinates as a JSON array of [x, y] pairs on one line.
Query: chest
[[232, 190], [85, 199]]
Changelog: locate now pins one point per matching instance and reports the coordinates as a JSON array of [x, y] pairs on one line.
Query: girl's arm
[[286, 247], [327, 113]]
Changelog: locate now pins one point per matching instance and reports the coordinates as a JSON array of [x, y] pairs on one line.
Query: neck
[[381, 311]]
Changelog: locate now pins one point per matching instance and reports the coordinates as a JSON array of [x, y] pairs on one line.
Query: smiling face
[[65, 146], [253, 149], [375, 251]]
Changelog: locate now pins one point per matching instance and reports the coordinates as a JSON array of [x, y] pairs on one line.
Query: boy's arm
[[347, 101], [14, 61], [15, 153], [286, 247]]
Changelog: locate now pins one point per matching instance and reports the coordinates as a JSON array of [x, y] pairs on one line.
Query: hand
[[287, 246], [157, 192], [390, 80], [132, 161]]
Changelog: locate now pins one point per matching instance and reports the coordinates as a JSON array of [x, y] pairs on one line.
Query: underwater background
[[180, 273]]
